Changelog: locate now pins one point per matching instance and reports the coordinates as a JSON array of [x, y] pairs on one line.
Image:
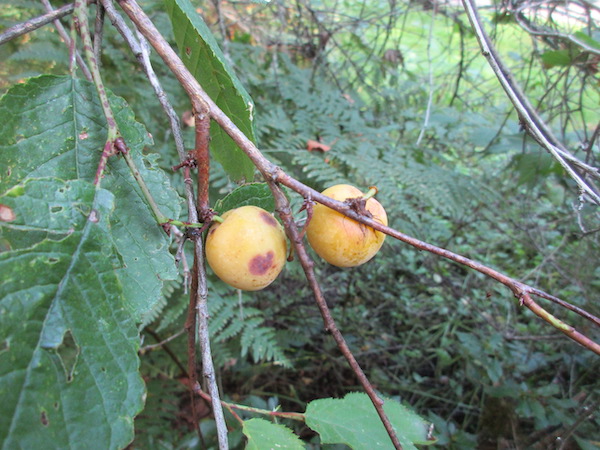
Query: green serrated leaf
[[256, 194], [205, 60], [262, 435], [52, 129], [68, 359], [353, 421]]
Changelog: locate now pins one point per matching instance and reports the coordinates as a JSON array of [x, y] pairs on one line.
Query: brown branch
[[202, 158], [35, 23], [162, 343], [283, 208], [559, 324]]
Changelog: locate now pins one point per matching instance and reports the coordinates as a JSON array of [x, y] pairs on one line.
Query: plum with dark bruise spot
[[268, 218], [260, 264]]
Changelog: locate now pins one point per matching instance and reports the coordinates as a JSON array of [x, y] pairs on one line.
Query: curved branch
[[518, 14], [529, 117]]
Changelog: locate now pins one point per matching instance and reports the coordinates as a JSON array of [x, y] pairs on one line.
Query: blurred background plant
[[397, 95]]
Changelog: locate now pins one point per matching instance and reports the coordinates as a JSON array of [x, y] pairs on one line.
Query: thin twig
[[148, 348], [208, 369], [173, 356], [230, 406], [190, 327], [283, 208], [518, 14], [430, 80], [202, 158], [527, 114], [33, 24], [67, 40], [81, 20]]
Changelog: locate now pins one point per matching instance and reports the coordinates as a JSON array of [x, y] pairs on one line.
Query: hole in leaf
[[56, 405], [52, 260], [56, 209], [67, 354]]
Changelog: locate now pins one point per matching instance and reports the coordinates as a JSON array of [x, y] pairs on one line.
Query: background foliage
[[401, 94]]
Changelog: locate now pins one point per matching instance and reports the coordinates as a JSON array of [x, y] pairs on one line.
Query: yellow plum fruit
[[248, 249], [340, 240]]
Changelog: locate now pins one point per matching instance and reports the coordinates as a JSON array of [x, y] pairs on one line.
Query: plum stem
[[370, 193]]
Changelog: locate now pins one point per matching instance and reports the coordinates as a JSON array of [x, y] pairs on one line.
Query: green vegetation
[[395, 95]]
